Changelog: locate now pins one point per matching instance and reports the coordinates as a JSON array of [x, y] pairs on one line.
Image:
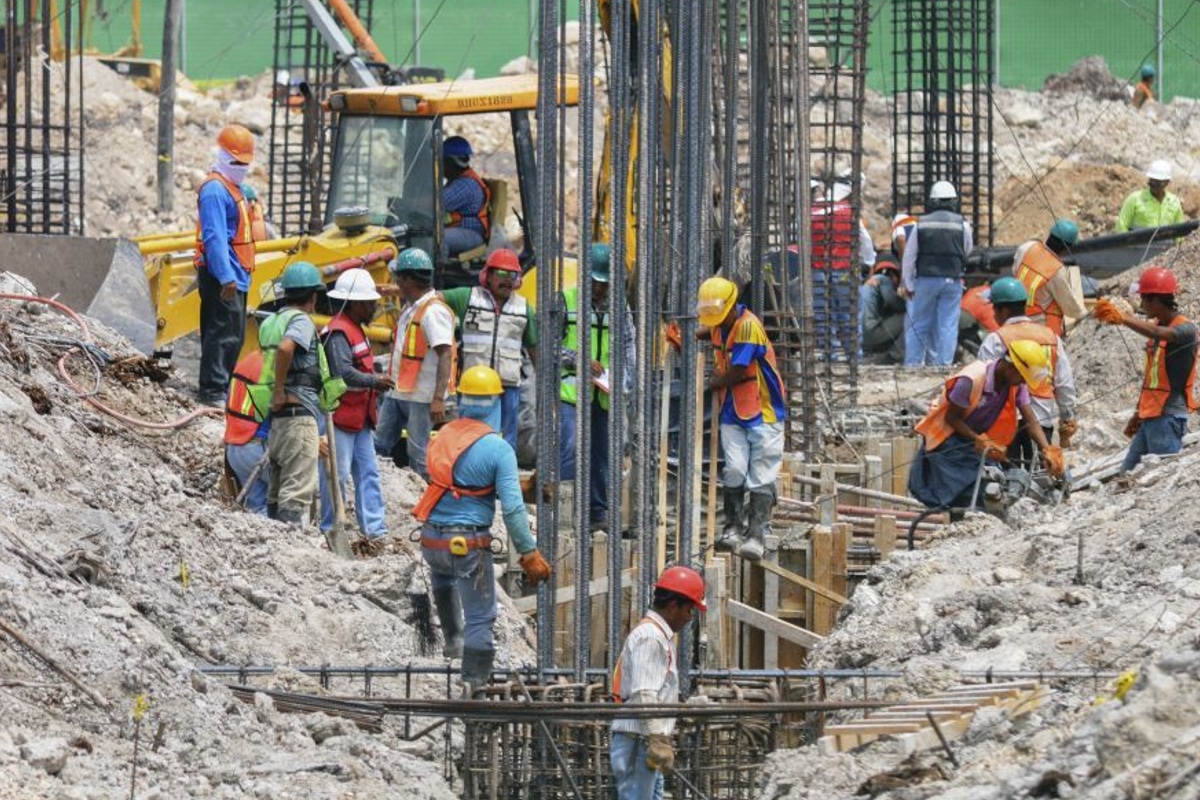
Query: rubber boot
[[753, 546], [292, 516], [476, 670], [731, 535], [449, 611]]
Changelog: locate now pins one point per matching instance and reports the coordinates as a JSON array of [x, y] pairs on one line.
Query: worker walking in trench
[[647, 674], [1039, 268], [1167, 398], [752, 414], [470, 468]]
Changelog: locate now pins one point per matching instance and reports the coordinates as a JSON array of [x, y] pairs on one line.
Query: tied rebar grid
[[41, 161], [942, 105], [305, 71]]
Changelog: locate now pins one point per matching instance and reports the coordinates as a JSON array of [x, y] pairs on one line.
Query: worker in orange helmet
[[224, 260]]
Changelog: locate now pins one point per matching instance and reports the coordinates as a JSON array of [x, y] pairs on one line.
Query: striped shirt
[[648, 674]]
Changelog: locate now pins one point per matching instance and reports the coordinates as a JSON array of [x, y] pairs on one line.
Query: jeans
[[598, 463], [510, 414], [293, 445], [391, 423], [242, 458], [752, 455], [418, 426], [1161, 436], [460, 240], [356, 459], [222, 328], [832, 314], [932, 332], [635, 781], [474, 580]]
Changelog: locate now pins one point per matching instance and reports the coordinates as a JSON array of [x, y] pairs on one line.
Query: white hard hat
[[354, 284], [1159, 170], [839, 192], [942, 190]]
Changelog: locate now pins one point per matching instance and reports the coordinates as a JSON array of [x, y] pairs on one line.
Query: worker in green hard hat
[[1039, 267]]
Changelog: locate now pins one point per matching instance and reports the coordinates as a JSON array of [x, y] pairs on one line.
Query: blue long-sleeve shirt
[[489, 462], [463, 196], [218, 223]]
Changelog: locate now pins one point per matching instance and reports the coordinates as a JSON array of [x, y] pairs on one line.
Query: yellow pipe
[[173, 243], [376, 333]]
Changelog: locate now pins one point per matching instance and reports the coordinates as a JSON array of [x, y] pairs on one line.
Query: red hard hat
[[238, 142], [1158, 280], [685, 581], [504, 259]]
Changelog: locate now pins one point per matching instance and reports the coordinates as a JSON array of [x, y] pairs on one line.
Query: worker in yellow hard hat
[[974, 417], [752, 414]]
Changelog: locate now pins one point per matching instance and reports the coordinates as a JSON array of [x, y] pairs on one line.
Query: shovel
[[336, 536]]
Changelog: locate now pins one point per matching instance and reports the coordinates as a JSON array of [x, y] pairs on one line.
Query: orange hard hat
[[683, 581], [238, 142]]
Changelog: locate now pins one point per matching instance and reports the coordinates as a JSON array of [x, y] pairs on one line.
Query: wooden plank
[[879, 728], [799, 580], [885, 536], [598, 609], [873, 477], [974, 687], [827, 502], [904, 450], [771, 603], [885, 454], [841, 546], [566, 594], [767, 623], [714, 619], [822, 559]]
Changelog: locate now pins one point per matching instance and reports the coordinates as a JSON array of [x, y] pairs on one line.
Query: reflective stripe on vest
[[270, 334], [243, 238], [935, 430], [747, 397], [357, 408], [241, 418], [617, 697], [1156, 381], [454, 439], [832, 235], [413, 347], [456, 218], [1038, 334], [600, 349], [940, 251], [1036, 269], [494, 339]]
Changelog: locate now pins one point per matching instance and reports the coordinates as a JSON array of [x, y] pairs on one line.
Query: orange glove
[[535, 567], [1055, 462], [1133, 426], [673, 335], [1066, 432], [993, 449], [1107, 312]]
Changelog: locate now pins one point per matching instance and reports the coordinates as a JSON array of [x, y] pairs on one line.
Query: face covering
[[484, 409], [228, 167]]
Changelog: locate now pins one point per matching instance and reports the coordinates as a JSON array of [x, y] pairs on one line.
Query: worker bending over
[[1039, 268]]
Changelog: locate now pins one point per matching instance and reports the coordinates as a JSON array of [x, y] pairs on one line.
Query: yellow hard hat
[[480, 380], [715, 301], [1032, 360]]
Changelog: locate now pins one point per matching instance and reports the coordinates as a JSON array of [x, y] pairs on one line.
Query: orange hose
[[355, 26]]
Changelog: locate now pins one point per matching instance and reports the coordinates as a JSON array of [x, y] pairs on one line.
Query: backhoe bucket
[[103, 278]]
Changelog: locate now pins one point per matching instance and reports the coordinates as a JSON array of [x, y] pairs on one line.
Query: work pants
[[752, 455], [1161, 436], [1023, 451], [222, 328], [419, 426], [460, 240], [833, 294], [242, 459], [598, 461], [472, 577], [292, 488], [356, 460], [886, 337], [635, 781], [510, 414], [932, 333], [390, 426]]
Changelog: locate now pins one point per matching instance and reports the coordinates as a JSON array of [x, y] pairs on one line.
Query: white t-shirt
[[437, 325]]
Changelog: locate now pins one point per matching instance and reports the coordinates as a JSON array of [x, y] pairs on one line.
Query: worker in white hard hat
[[935, 258], [348, 352], [1153, 206]]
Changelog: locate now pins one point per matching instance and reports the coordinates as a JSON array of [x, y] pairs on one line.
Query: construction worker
[[976, 318], [1158, 425], [595, 379], [465, 199], [902, 226], [974, 417], [348, 352], [935, 258], [1143, 93], [497, 328], [752, 414], [1154, 206], [834, 235], [1038, 266], [470, 468], [423, 357], [1054, 399], [881, 313], [246, 431], [647, 674], [224, 260]]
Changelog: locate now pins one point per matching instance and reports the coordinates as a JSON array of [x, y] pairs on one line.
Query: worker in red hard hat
[[496, 329], [647, 674], [1160, 421]]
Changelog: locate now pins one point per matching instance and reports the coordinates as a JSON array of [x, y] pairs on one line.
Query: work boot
[[292, 516], [753, 546], [476, 670], [449, 611], [731, 535]]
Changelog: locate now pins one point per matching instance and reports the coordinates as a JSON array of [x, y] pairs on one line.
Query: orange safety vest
[[976, 303], [1039, 334], [1145, 87], [357, 408], [616, 676], [934, 428], [747, 401], [242, 420], [243, 238], [454, 439], [1035, 271], [456, 218], [1156, 384], [414, 347]]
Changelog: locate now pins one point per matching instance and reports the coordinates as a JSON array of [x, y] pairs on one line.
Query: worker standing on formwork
[[647, 674], [470, 468], [935, 258], [752, 414], [1052, 401], [1039, 267], [1167, 398]]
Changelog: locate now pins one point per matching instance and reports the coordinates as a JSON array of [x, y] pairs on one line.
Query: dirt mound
[[1090, 76]]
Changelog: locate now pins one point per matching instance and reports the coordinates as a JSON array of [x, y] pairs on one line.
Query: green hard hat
[[299, 276], [1009, 290], [414, 259], [1147, 71], [601, 258], [1065, 231]]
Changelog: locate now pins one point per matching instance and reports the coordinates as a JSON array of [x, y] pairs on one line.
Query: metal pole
[[183, 36], [416, 47], [166, 105], [1158, 47], [996, 45]]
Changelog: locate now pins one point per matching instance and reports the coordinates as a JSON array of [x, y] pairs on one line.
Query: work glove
[[660, 755], [1066, 432], [1055, 462], [985, 445], [673, 335], [535, 567], [1133, 426], [1107, 312]]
